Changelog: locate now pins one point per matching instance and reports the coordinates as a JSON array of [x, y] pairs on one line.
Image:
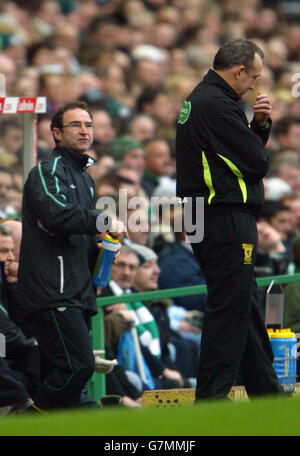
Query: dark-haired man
[[287, 133], [58, 249], [221, 158]]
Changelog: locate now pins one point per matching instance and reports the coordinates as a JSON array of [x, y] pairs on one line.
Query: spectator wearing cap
[[122, 279], [146, 279], [128, 150], [292, 294]]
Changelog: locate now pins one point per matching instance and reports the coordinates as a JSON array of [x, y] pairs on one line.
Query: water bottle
[[105, 260], [284, 346]]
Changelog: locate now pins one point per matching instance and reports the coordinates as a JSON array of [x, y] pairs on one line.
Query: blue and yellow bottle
[[105, 260], [284, 345]]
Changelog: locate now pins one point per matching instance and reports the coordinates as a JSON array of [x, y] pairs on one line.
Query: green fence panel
[[96, 385]]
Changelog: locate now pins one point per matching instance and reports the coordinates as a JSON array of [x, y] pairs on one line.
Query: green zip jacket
[[220, 155], [58, 248]]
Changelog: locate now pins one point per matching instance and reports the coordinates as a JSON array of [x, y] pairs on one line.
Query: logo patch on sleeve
[[248, 248], [184, 112]]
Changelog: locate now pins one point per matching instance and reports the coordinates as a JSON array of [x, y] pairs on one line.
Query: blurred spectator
[[19, 369], [107, 184], [278, 216], [123, 274], [130, 151], [147, 74], [102, 165], [138, 225], [272, 258], [45, 138], [180, 269], [53, 86], [16, 233], [11, 270], [142, 127], [104, 131], [288, 171], [275, 188], [146, 279], [15, 200], [157, 163], [11, 139], [46, 17], [8, 69], [291, 317], [287, 133], [157, 104], [293, 203], [5, 186], [129, 179]]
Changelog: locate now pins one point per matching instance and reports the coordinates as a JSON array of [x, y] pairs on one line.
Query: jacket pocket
[[61, 273]]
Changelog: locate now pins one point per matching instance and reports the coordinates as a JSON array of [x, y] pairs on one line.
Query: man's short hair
[[283, 125], [57, 119], [271, 208], [236, 52]]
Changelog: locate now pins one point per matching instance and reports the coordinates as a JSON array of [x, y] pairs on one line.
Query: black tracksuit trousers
[[67, 360], [234, 337]]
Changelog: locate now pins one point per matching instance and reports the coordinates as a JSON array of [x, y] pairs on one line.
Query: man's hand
[[117, 230], [117, 307], [262, 109], [187, 327], [173, 375], [11, 271]]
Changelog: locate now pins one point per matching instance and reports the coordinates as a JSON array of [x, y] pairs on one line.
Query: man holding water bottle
[[58, 254]]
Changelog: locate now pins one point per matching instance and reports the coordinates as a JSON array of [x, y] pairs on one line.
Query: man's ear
[[57, 134], [238, 71]]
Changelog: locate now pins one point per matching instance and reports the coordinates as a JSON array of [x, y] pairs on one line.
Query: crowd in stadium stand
[[134, 62]]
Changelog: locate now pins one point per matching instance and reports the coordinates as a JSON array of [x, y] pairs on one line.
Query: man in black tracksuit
[[57, 257], [221, 157]]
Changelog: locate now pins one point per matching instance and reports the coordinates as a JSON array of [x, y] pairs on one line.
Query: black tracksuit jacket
[[220, 155], [58, 248]]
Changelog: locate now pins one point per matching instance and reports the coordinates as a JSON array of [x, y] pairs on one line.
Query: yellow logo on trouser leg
[[248, 248]]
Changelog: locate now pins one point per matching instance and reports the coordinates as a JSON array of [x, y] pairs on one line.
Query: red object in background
[[2, 101], [26, 104]]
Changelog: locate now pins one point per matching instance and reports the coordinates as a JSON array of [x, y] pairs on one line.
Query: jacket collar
[[77, 160], [213, 78]]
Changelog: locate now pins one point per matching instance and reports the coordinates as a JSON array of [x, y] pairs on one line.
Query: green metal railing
[[96, 386]]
